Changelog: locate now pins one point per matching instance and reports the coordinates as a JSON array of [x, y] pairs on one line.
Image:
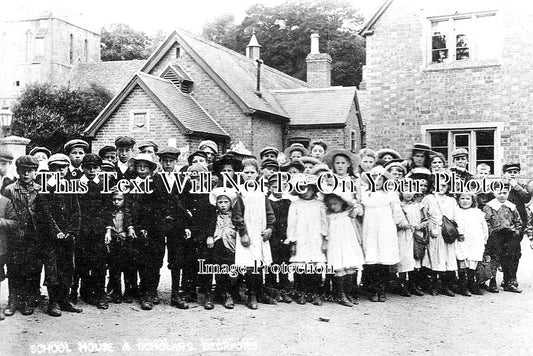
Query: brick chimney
[[253, 50], [318, 66]]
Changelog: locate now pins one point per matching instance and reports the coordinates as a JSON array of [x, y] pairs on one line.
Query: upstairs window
[[464, 37]]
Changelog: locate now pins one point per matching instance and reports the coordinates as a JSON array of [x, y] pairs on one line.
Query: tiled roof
[[317, 106], [112, 75], [183, 106], [238, 72]]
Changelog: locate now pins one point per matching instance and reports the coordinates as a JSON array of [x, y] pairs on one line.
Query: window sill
[[465, 64]]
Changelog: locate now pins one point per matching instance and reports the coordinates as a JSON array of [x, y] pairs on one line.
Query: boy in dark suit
[[24, 252], [59, 219]]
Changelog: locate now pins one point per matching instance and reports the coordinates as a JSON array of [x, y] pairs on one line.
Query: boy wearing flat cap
[[149, 147], [91, 253], [59, 219], [24, 250], [268, 167], [511, 253], [269, 152], [124, 145], [108, 153], [75, 150], [460, 164]]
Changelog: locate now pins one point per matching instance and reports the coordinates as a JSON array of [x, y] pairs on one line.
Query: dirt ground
[[480, 325]]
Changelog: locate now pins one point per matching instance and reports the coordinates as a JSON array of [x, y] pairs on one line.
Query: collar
[[122, 166], [84, 179], [496, 205], [271, 197], [30, 187], [72, 168]]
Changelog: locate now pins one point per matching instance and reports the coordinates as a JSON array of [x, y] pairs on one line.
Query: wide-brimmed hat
[[303, 181], [345, 196], [296, 163], [319, 169], [388, 151], [228, 192], [398, 163], [421, 147], [208, 143], [295, 147], [308, 159], [145, 157], [219, 164], [380, 171], [420, 173], [330, 155]]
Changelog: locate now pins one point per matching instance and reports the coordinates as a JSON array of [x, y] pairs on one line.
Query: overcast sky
[[148, 16]]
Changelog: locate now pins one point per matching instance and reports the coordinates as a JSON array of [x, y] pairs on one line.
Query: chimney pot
[[315, 49]]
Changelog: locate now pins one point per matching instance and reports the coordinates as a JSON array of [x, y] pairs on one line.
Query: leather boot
[[445, 289], [252, 301], [402, 285], [26, 307], [227, 301], [341, 297], [12, 300], [473, 286], [208, 305], [414, 287], [493, 286], [463, 287]]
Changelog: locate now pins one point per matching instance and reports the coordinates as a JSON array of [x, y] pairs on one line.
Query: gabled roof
[[367, 28], [322, 106], [112, 75], [234, 72], [181, 108]]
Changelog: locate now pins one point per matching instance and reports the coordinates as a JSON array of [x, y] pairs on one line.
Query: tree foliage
[[51, 116], [120, 42], [284, 33]]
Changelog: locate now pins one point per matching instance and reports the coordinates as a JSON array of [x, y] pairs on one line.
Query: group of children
[[337, 241]]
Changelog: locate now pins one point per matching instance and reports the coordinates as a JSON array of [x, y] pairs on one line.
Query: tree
[[51, 116], [120, 42], [284, 33], [221, 30]]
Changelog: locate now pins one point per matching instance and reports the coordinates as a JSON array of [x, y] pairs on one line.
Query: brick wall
[[333, 137], [212, 98], [161, 127], [401, 94], [265, 133]]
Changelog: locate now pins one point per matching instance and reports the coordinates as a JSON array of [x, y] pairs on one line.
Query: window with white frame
[[465, 37], [481, 144], [139, 121]]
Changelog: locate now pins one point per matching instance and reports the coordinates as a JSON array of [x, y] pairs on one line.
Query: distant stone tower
[[42, 50]]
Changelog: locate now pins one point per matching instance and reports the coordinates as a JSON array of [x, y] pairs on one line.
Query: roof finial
[[253, 50]]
